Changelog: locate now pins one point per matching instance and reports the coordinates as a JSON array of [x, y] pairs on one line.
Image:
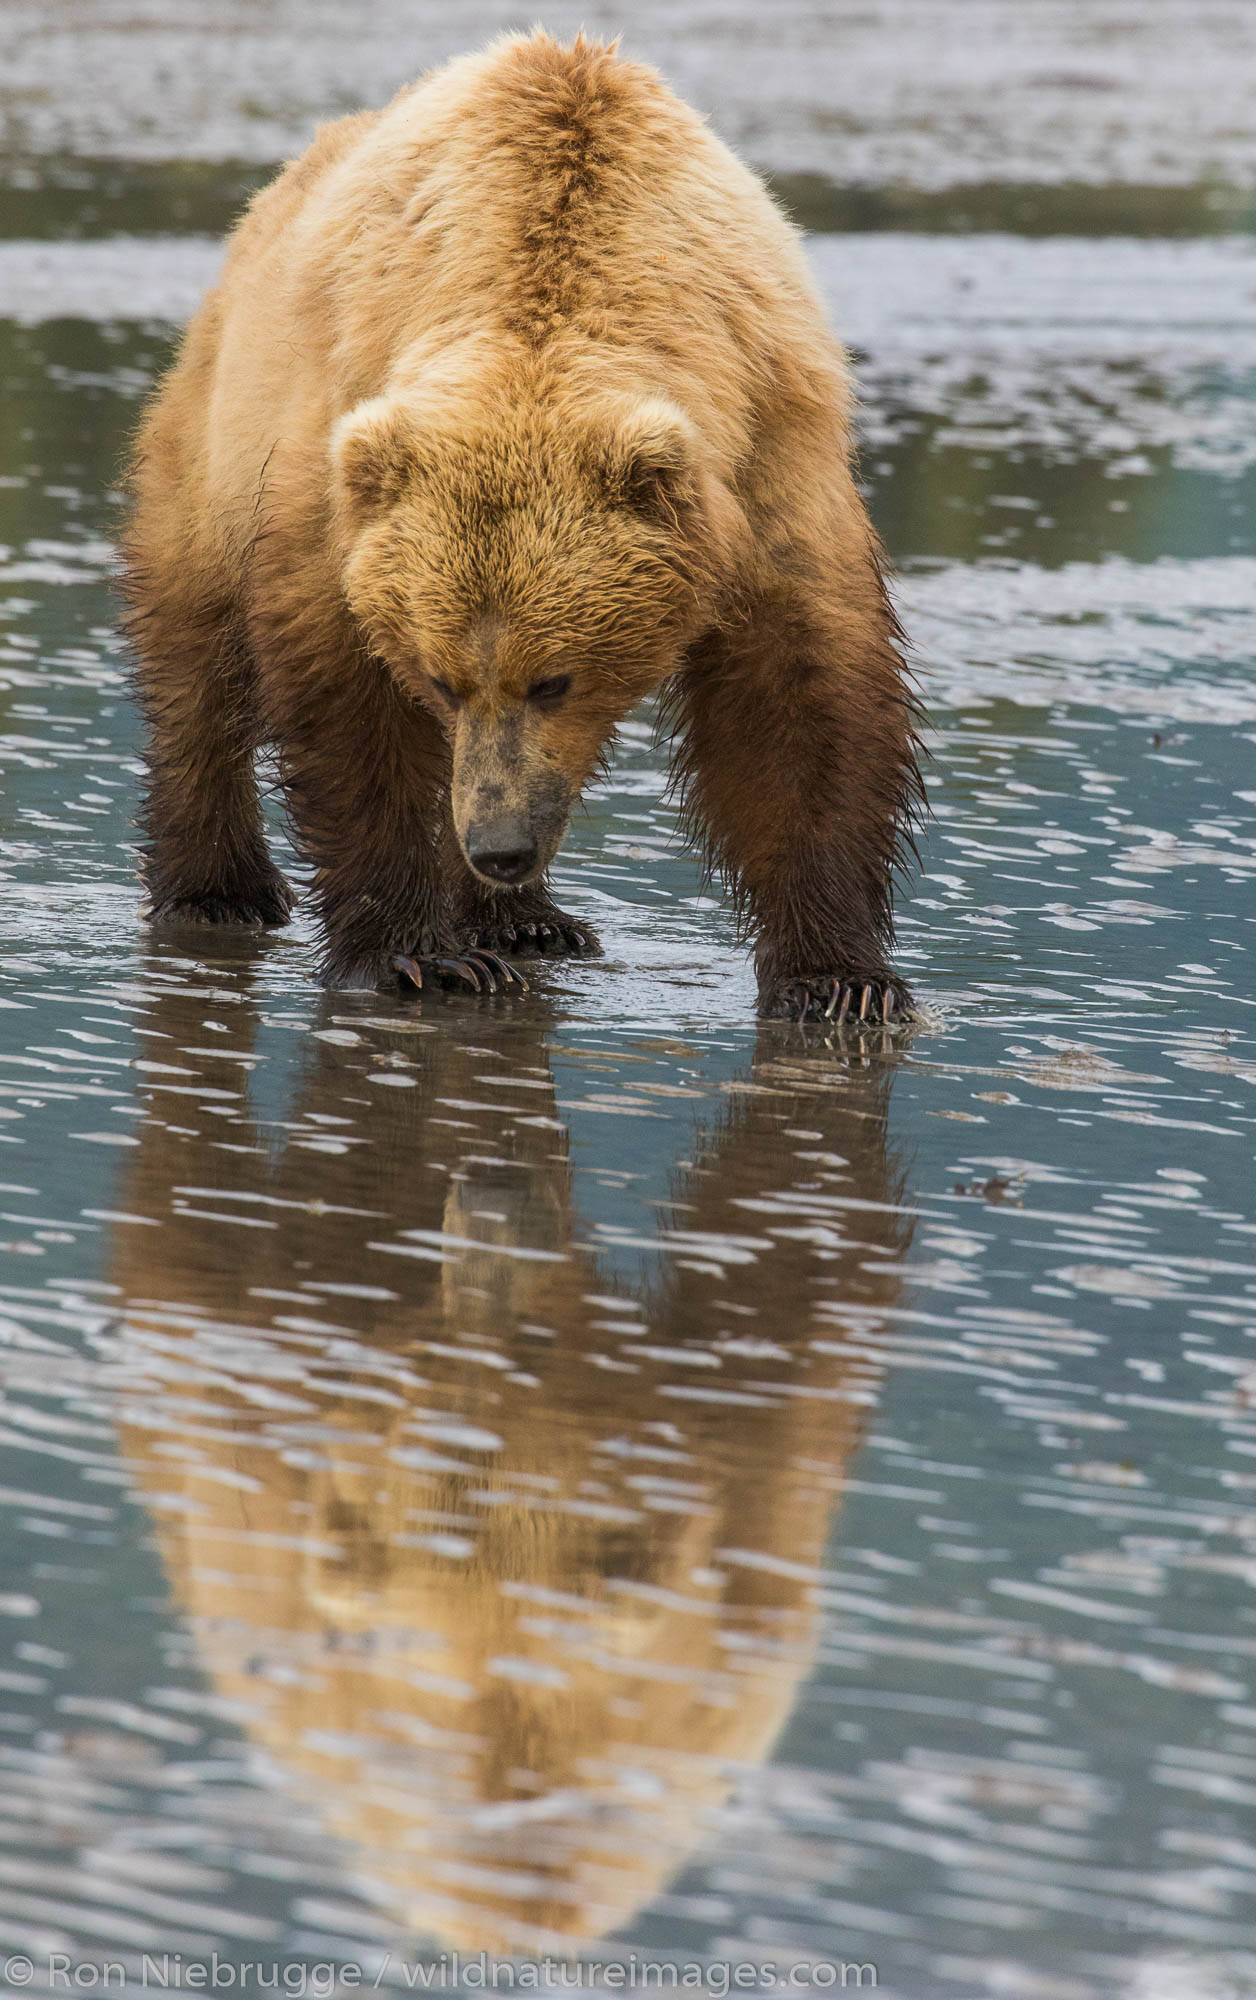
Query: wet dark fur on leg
[[205, 859], [797, 772]]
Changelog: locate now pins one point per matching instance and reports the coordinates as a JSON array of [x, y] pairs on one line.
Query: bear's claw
[[554, 937], [483, 971], [878, 1002]]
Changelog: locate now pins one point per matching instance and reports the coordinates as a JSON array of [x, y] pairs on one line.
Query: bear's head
[[530, 568]]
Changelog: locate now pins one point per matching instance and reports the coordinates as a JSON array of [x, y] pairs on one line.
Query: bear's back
[[532, 198], [547, 189]]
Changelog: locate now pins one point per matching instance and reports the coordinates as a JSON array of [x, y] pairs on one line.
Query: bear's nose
[[503, 852]]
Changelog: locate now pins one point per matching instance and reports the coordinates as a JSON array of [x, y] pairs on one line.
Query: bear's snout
[[503, 849], [510, 803]]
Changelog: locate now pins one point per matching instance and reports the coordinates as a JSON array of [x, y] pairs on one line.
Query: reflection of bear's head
[[513, 1570], [531, 565]]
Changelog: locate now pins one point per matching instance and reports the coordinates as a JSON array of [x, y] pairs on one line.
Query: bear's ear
[[650, 461], [374, 451]]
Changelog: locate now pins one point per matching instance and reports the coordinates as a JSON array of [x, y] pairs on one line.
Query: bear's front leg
[[366, 774], [205, 855], [798, 774]]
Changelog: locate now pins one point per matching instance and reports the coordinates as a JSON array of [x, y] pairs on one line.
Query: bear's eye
[[552, 690], [446, 693]]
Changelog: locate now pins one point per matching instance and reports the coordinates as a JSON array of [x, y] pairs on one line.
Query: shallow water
[[507, 1475]]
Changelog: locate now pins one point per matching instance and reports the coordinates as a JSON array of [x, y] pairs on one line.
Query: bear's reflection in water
[[510, 1571]]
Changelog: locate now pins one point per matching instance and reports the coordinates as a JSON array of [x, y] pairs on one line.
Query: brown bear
[[514, 403]]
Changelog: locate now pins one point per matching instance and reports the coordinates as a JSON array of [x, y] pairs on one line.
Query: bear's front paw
[[482, 971], [552, 935], [259, 906], [847, 1000]]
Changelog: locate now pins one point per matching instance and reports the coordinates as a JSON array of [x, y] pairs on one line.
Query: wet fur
[[528, 344]]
